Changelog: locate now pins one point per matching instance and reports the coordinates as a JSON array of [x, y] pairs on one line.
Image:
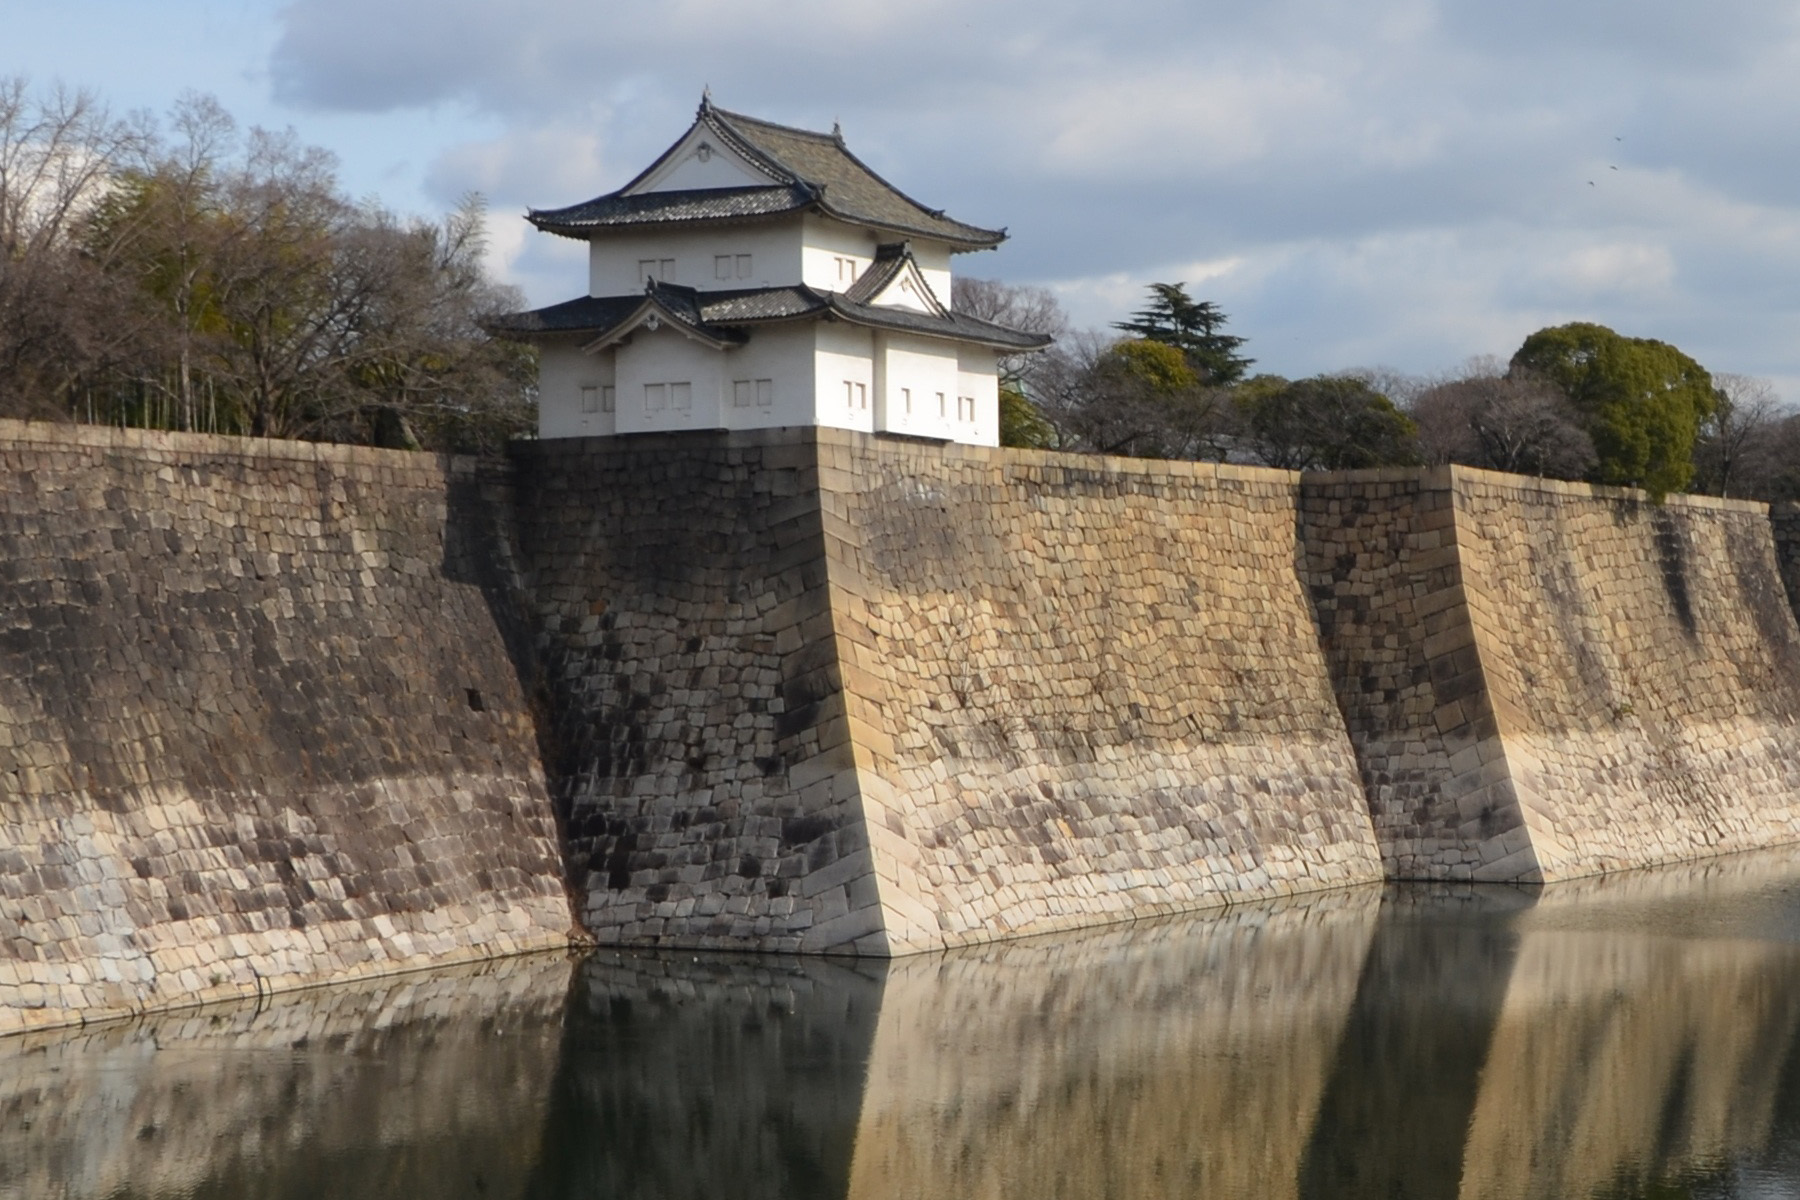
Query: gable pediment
[[906, 288], [701, 160]]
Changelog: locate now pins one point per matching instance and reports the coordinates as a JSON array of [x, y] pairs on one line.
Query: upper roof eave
[[740, 130]]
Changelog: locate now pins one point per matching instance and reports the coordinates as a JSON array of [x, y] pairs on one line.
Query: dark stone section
[[1388, 588], [699, 750], [1785, 519]]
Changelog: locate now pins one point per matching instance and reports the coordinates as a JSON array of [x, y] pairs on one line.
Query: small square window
[[743, 266], [765, 393], [742, 391], [721, 266], [609, 398], [646, 270], [666, 270], [656, 397], [590, 399], [681, 396]]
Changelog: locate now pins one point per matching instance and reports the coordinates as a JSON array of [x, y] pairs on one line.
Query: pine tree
[[1175, 318]]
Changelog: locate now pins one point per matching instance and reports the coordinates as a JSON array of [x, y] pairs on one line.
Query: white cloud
[[1398, 181]]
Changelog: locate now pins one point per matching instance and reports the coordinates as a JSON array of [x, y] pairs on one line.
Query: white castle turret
[[754, 276]]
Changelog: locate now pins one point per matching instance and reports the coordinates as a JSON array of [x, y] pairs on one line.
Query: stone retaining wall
[[259, 727], [1545, 680], [1080, 689], [273, 714]]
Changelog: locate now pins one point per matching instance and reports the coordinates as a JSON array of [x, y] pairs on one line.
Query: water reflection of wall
[[1180, 1058], [436, 1084], [709, 1076], [1607, 1037], [1647, 1022]]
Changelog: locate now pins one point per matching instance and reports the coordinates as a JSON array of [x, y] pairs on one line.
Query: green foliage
[[1156, 367], [1021, 424], [1328, 422], [1176, 319], [1642, 401]]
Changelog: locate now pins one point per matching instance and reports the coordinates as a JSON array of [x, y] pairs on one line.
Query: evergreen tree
[[1176, 319], [1642, 401]]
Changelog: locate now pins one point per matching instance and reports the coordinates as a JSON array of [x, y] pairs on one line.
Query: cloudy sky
[[1401, 183]]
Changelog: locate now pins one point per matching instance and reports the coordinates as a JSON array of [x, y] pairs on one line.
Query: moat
[[1637, 1035]]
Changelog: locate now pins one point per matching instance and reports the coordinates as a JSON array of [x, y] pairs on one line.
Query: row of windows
[[745, 392], [725, 266], [857, 397], [679, 397]]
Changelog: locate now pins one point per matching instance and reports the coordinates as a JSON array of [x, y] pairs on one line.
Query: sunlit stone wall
[[1080, 688], [1643, 665], [821, 691], [1546, 680], [259, 725]]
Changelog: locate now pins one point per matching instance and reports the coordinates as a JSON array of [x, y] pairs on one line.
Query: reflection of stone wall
[[706, 1077], [1178, 1058], [1648, 1021], [259, 726], [438, 1081]]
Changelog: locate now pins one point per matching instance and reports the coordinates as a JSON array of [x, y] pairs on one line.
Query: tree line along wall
[[273, 714]]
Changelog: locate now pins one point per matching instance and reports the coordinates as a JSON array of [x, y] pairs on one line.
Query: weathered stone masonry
[[1545, 680], [273, 714], [258, 725]]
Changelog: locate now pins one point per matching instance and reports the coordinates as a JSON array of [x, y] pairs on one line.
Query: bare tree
[[1487, 417], [1734, 440], [59, 151]]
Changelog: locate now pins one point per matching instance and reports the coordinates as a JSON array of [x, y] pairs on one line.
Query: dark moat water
[[1638, 1036]]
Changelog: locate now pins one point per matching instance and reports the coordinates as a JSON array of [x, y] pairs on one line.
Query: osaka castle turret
[[757, 275]]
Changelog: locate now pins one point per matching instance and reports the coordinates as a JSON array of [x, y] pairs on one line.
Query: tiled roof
[[587, 314], [954, 325], [719, 314], [672, 208], [806, 169]]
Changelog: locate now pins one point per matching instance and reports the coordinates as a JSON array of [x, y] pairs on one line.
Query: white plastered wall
[[934, 264], [827, 241], [844, 354], [702, 160], [919, 370], [668, 357], [977, 378], [563, 370], [774, 250], [782, 355]]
